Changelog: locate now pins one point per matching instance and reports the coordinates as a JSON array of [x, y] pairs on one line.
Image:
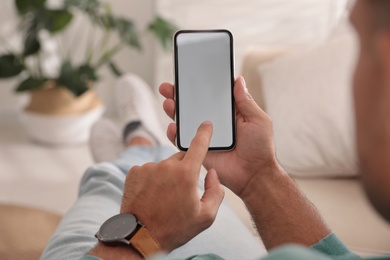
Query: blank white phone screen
[[204, 84]]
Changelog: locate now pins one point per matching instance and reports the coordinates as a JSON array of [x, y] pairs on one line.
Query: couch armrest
[[253, 58]]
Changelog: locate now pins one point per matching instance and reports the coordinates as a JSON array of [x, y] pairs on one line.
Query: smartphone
[[204, 82]]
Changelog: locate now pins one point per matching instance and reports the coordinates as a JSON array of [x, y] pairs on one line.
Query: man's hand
[[254, 152], [164, 196]]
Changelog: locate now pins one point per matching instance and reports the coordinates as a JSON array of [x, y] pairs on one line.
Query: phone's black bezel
[[178, 143]]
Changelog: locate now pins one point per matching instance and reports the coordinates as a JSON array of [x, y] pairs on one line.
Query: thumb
[[244, 101], [213, 195]]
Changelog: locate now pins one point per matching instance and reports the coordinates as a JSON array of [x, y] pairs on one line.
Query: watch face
[[118, 227]]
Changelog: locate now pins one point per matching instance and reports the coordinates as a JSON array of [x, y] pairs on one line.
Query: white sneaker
[[136, 101], [106, 141]]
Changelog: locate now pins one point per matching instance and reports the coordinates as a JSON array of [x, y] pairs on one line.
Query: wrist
[[114, 252], [155, 233], [263, 180], [126, 230]]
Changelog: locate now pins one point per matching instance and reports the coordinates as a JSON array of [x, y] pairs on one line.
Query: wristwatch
[[125, 229]]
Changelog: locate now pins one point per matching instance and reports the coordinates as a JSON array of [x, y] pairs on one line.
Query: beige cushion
[[254, 57], [345, 209], [308, 96], [343, 205], [24, 232]]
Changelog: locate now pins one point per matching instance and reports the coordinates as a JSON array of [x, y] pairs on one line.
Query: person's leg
[[105, 142]]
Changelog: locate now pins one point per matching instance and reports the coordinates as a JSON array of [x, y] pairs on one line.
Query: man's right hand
[[254, 153]]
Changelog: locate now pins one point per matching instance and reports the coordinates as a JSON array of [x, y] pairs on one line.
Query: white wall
[[289, 23], [132, 61], [129, 60]]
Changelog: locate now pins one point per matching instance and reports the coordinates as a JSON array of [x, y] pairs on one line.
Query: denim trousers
[[100, 196]]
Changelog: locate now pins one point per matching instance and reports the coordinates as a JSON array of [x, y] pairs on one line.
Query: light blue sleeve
[[328, 248], [164, 257], [332, 246]]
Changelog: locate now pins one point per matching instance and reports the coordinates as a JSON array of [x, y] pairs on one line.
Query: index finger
[[200, 144]]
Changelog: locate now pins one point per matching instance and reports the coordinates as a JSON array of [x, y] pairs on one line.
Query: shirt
[[328, 248]]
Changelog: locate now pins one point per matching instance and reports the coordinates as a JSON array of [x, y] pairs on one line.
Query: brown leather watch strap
[[144, 243]]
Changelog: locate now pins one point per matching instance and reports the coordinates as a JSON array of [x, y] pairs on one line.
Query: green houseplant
[[58, 83], [35, 17]]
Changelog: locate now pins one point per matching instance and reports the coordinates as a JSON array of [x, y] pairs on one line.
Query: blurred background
[[291, 52], [264, 22], [257, 22]]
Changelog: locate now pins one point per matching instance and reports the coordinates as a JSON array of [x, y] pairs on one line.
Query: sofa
[[307, 93]]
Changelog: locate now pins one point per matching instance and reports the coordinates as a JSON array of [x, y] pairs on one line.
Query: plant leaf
[[100, 14], [25, 6], [31, 44], [90, 7], [56, 20], [87, 6], [125, 28], [114, 69], [107, 21], [128, 32], [30, 84], [87, 73], [164, 31], [10, 66], [70, 79]]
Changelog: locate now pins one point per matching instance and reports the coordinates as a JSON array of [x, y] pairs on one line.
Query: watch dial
[[118, 227]]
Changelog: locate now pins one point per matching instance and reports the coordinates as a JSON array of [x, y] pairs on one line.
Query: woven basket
[[24, 232]]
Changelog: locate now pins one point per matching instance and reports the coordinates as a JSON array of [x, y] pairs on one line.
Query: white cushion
[[308, 96]]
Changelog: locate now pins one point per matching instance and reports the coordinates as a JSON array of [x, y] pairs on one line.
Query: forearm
[[281, 212]]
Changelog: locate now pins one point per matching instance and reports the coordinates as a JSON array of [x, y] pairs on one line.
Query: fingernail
[[243, 82], [245, 88], [214, 172], [207, 123]]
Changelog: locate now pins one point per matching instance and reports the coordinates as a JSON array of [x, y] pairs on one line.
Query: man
[[164, 195]]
